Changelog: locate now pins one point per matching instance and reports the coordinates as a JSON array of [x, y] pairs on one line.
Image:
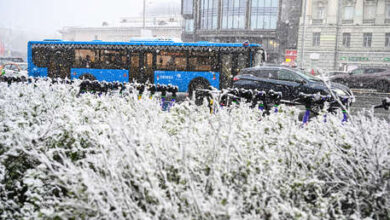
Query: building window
[[209, 14], [348, 11], [233, 14], [189, 25], [187, 7], [367, 39], [369, 11], [264, 14], [316, 39], [387, 12], [346, 39], [270, 44], [319, 10], [387, 40]]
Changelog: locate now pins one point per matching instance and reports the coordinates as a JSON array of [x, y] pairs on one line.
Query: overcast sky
[[49, 16]]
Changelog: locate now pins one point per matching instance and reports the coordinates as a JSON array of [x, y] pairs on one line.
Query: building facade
[[272, 23], [344, 34], [127, 28]]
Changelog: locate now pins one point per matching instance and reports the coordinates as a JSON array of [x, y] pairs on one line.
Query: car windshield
[[306, 75], [23, 66]]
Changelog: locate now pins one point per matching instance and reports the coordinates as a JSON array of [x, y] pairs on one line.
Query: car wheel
[[383, 86], [197, 83]]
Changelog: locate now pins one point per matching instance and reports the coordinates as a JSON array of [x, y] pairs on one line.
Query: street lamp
[[144, 13], [143, 21], [303, 34]]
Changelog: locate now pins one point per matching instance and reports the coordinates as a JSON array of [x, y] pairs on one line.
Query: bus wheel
[[197, 83], [87, 77]]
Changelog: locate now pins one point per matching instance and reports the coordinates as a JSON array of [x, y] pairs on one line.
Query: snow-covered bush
[[112, 157]]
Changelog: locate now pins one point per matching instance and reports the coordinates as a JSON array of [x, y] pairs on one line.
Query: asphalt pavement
[[365, 99]]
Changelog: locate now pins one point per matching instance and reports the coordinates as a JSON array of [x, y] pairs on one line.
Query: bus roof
[[146, 43]]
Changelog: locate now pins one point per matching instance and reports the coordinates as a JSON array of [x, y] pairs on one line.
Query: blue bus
[[187, 65]]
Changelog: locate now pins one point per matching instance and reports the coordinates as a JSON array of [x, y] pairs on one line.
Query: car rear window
[[374, 70], [357, 71]]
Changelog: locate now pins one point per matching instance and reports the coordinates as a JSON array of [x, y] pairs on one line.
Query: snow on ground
[[112, 157]]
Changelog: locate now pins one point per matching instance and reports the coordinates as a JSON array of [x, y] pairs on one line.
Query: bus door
[[147, 64], [60, 62], [134, 72], [226, 70]]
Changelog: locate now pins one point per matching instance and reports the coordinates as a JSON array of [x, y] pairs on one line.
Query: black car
[[286, 80], [368, 70], [366, 78]]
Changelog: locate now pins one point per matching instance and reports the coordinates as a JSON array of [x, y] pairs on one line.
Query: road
[[368, 98], [365, 99]]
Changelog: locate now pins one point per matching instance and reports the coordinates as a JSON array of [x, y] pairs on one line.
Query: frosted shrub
[[113, 157]]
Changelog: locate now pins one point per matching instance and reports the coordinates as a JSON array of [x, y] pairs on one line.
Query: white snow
[[113, 157]]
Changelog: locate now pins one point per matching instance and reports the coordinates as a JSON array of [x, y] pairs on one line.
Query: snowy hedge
[[66, 156]]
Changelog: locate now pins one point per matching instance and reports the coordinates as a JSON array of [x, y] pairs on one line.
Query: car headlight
[[339, 92]]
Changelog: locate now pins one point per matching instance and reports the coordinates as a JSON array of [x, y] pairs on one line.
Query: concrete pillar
[[332, 11], [358, 12]]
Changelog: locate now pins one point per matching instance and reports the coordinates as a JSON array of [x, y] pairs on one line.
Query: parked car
[[14, 69], [334, 73], [368, 70], [4, 60], [328, 75], [368, 78], [286, 80]]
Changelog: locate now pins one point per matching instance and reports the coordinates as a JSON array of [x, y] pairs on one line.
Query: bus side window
[[85, 58], [242, 61], [134, 67], [113, 59], [257, 58], [100, 59], [39, 57], [134, 61], [203, 61], [169, 60], [226, 69]]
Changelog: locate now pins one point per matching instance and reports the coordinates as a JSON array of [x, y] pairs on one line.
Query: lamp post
[[336, 49], [143, 20], [303, 33]]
